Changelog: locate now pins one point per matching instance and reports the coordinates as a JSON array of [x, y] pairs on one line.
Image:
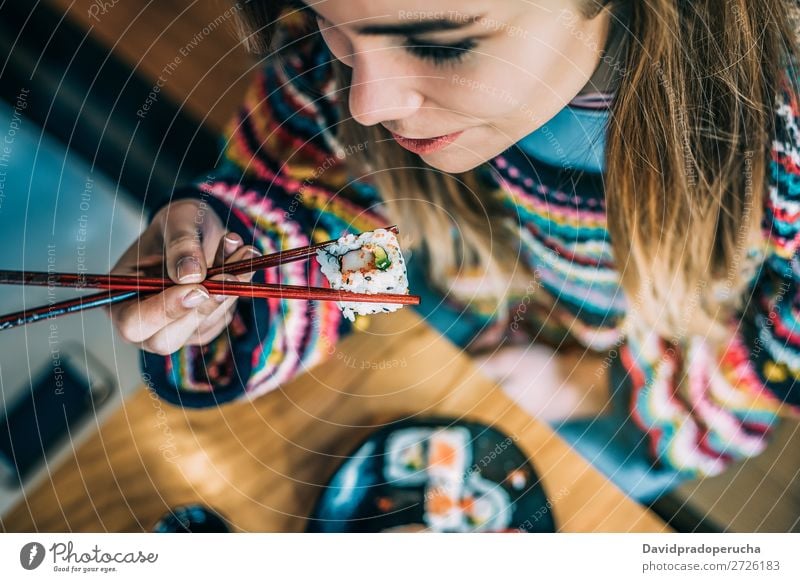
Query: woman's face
[[477, 75]]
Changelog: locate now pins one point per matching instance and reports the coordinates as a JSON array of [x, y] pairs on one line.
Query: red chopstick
[[112, 296], [234, 288]]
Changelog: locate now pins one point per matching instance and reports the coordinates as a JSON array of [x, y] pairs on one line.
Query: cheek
[[488, 94]]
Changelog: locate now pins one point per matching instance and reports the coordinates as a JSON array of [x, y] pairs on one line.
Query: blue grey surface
[[56, 212]]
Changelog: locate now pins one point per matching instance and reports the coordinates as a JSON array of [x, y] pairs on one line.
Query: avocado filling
[[381, 258]]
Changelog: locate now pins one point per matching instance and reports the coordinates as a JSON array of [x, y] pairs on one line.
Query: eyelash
[[440, 54]]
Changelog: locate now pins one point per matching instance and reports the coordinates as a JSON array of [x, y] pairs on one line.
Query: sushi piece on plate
[[405, 457], [449, 454], [443, 506], [487, 505], [368, 263], [448, 458]]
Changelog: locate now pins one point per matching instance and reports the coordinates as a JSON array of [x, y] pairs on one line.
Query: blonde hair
[[687, 152]]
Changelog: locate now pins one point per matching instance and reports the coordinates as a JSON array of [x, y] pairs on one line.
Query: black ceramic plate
[[192, 519], [443, 474]]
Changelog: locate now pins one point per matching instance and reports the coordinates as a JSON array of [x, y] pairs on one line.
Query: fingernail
[[194, 298], [188, 268], [254, 251], [220, 298], [232, 242]]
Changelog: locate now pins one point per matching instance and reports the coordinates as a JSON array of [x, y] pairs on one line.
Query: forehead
[[391, 16], [399, 10]]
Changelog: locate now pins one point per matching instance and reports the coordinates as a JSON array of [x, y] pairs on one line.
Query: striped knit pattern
[[596, 100], [699, 406], [703, 406]]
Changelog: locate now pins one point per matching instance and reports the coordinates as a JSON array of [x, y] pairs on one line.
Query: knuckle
[[186, 239], [180, 204], [173, 309], [251, 252], [126, 334], [131, 331], [161, 345], [240, 255], [151, 348], [202, 338], [208, 308], [206, 335]]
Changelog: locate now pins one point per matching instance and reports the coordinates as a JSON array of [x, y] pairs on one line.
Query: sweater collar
[[573, 139]]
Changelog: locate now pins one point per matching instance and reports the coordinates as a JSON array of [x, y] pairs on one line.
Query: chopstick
[[66, 307], [233, 288], [110, 297]]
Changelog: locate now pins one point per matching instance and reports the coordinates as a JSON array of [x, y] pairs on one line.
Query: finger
[[137, 320], [206, 321], [137, 265], [210, 330], [224, 299], [215, 323], [212, 327], [183, 245], [188, 330], [208, 335], [147, 248], [203, 323], [228, 245], [246, 252]]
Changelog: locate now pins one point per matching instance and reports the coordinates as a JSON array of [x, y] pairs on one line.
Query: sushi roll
[[487, 506], [443, 511], [405, 463], [368, 263], [448, 457]]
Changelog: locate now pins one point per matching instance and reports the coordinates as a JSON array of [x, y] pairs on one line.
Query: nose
[[380, 90]]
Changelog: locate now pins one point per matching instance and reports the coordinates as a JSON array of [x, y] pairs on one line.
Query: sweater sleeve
[[702, 406], [281, 185]]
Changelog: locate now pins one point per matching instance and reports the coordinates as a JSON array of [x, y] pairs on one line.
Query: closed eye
[[440, 54]]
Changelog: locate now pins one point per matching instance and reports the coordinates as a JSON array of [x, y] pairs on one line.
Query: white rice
[[367, 278]]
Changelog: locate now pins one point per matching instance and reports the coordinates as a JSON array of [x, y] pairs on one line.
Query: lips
[[426, 145]]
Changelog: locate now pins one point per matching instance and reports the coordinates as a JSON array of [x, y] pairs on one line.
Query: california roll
[[368, 263]]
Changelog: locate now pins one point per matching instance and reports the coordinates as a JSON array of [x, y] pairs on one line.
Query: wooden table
[[262, 464]]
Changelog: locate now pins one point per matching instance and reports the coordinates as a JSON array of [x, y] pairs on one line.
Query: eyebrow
[[414, 27], [418, 27]]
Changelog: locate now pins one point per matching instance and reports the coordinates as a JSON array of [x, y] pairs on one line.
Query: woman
[[618, 176]]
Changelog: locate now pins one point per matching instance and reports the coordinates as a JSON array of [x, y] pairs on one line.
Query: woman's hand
[[547, 384], [187, 237]]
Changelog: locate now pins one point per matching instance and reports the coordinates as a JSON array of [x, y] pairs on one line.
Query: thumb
[[183, 245]]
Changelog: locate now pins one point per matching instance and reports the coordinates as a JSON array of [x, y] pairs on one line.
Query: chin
[[456, 163]]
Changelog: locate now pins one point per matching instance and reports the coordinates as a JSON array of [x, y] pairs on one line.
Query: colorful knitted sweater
[[284, 185]]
